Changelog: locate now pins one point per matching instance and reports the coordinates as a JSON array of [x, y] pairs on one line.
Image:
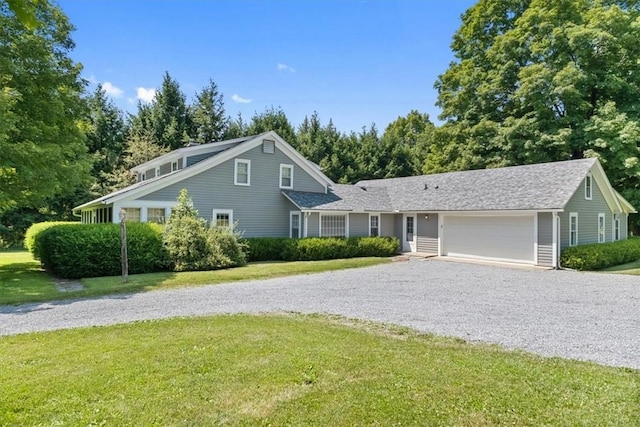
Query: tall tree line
[[532, 81]]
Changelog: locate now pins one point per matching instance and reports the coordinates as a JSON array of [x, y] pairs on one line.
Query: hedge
[[89, 250], [597, 256], [319, 248], [32, 238]]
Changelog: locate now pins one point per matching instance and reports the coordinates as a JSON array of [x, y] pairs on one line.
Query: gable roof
[[148, 186], [543, 186], [342, 197]]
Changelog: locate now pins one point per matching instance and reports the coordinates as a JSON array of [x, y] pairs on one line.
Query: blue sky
[[356, 62]]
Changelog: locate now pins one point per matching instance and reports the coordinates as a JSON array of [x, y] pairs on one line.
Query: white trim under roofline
[[184, 152], [610, 193], [182, 174], [497, 212]]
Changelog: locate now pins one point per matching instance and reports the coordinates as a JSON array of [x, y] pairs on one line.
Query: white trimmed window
[[601, 225], [374, 225], [616, 227], [156, 215], [294, 225], [333, 225], [174, 166], [222, 217], [573, 228], [132, 215], [286, 176], [242, 175], [588, 187]]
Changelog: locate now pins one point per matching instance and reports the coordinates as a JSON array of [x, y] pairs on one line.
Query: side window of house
[[616, 227], [132, 214], [588, 187], [573, 228], [374, 225], [294, 232], [242, 172], [222, 217], [601, 228], [333, 226], [156, 215], [286, 176]]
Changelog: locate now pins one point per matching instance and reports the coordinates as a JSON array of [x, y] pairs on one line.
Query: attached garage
[[500, 238]]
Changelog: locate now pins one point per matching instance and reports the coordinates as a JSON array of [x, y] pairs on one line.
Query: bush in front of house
[[597, 256], [319, 248], [74, 251], [32, 238], [193, 246]]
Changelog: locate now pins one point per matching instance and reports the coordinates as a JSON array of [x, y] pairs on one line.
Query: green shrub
[[319, 248], [192, 246], [88, 250], [32, 238], [600, 255]]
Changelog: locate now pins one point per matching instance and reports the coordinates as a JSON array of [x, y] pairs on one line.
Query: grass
[[296, 370], [630, 268], [22, 280]]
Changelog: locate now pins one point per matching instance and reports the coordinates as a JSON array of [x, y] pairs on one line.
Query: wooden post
[[123, 245]]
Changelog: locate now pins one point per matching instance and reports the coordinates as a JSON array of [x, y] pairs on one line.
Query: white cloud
[[145, 94], [112, 89], [240, 100], [285, 67]]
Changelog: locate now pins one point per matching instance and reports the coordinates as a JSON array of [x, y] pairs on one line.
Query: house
[[524, 214]]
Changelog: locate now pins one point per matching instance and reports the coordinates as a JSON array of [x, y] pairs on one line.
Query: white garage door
[[504, 238]]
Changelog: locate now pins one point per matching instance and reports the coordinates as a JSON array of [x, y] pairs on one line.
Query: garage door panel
[[504, 238]]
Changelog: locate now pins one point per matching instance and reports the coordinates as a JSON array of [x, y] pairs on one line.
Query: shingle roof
[[343, 198], [529, 187]]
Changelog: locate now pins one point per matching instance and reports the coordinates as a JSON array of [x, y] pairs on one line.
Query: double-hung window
[[222, 217], [242, 172], [374, 225], [573, 228], [132, 215], [616, 227], [601, 225], [156, 215], [588, 187], [286, 176], [294, 219]]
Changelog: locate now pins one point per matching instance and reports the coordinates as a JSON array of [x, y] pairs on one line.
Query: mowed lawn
[[22, 280], [632, 268], [296, 370]]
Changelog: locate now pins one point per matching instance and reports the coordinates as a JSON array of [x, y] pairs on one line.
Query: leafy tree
[[42, 148], [536, 81], [208, 115], [106, 133], [236, 128], [272, 119], [405, 143]]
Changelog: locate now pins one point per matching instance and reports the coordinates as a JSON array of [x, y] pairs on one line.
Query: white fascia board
[[605, 187], [626, 206], [489, 213], [182, 174]]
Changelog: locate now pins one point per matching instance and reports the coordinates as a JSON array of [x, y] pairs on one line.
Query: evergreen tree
[[208, 115]]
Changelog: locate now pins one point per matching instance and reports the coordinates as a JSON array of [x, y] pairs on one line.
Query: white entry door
[[409, 223]]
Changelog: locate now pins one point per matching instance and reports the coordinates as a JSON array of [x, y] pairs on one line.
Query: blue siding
[[358, 225], [260, 209]]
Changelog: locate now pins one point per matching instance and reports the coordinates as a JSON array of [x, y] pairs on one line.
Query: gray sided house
[[523, 214]]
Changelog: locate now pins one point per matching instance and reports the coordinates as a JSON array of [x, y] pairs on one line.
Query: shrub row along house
[[524, 214]]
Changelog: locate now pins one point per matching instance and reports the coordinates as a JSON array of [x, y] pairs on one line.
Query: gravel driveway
[[585, 316]]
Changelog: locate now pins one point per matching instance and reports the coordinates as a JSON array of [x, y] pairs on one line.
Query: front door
[[409, 233]]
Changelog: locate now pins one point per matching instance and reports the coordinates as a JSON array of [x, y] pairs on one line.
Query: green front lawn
[[630, 268], [22, 281], [296, 370]]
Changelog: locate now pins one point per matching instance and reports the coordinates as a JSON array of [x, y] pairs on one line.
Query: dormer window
[[588, 187], [174, 166]]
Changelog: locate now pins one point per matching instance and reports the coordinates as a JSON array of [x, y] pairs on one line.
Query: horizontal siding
[[545, 238], [397, 227], [387, 225], [260, 209], [358, 225], [588, 211], [313, 227], [427, 233]]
